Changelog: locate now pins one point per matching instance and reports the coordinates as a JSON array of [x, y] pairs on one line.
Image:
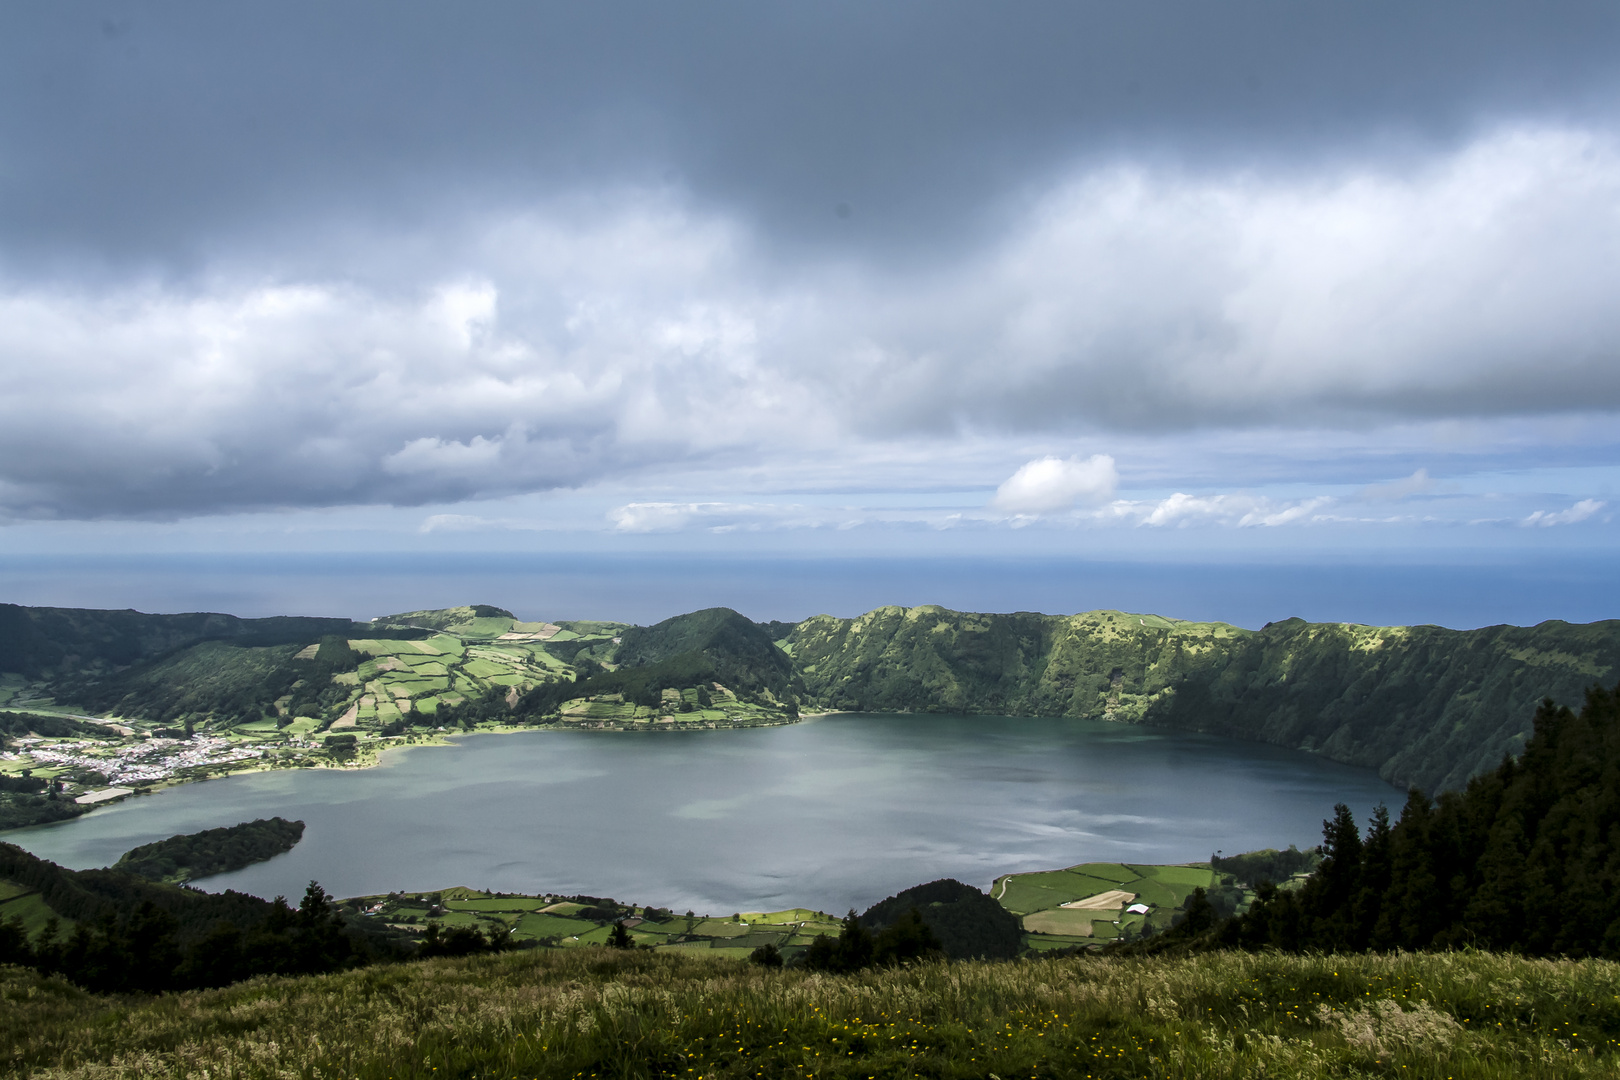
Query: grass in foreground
[[594, 1012]]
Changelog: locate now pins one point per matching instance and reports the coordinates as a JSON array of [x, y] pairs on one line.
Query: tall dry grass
[[593, 1012]]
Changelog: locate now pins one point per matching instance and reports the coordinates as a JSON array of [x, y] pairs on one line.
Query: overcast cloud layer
[[735, 267]]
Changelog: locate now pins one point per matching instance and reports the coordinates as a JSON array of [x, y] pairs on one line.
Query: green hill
[[739, 652], [1423, 705], [39, 642]]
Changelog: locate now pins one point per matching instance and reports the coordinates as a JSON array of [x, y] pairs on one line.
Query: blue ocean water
[[646, 588]]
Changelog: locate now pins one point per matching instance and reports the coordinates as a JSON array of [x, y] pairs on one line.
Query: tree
[[850, 951], [906, 939], [619, 937], [767, 955]]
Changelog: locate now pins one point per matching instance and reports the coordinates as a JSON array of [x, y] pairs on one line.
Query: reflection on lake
[[832, 813]]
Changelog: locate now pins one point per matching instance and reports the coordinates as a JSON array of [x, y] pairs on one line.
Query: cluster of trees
[[906, 939], [32, 800], [14, 724], [212, 851], [940, 918], [465, 941], [1253, 867], [1526, 859], [124, 933], [146, 950], [229, 682], [967, 923]]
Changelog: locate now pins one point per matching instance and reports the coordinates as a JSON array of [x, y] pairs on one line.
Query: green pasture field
[[385, 647], [1024, 893], [460, 918], [10, 890], [415, 686], [592, 628], [1048, 942], [484, 668], [792, 915], [31, 908], [729, 954], [512, 678], [1190, 876], [531, 918], [483, 627], [754, 941], [562, 907], [441, 644], [519, 904], [717, 928], [1038, 897], [1115, 872], [1066, 921], [504, 651]]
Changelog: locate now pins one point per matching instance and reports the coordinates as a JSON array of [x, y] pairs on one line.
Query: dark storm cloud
[[173, 131], [319, 254]]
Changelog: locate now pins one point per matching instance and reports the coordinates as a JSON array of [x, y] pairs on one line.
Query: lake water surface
[[832, 813]]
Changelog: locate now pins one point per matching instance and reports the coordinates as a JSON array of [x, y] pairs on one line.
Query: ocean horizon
[[645, 588]]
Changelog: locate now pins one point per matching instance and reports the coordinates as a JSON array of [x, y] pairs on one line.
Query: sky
[[940, 283]]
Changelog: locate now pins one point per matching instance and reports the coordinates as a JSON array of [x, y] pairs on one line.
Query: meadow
[[598, 1012]]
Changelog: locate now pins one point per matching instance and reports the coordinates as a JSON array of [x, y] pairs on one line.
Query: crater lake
[[832, 813]]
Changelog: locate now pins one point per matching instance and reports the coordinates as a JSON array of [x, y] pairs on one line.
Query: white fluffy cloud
[[614, 338], [1419, 483], [1238, 510], [1579, 512], [1052, 483]]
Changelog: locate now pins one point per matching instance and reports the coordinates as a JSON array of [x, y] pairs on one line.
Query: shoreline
[[371, 754]]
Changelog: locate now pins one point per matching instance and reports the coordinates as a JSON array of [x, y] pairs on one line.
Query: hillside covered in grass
[[609, 1013]]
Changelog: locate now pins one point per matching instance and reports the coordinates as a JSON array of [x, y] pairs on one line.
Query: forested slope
[[1424, 705], [1103, 664], [44, 641], [1526, 859]]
